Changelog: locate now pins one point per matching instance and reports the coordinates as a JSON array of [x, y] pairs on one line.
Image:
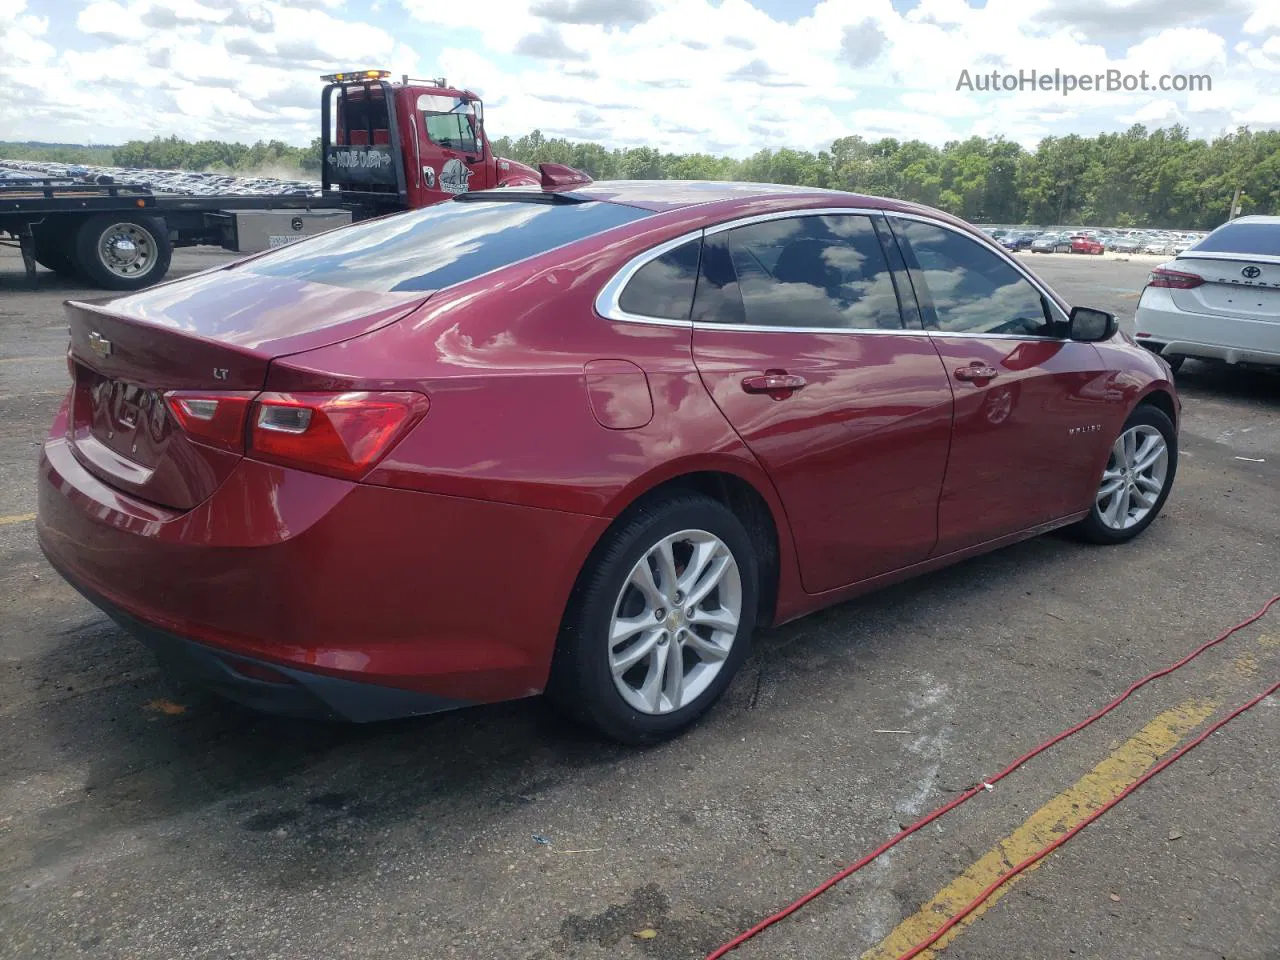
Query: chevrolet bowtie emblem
[[99, 344]]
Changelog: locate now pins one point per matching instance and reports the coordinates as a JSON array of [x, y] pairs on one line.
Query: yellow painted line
[[16, 518], [1067, 810]]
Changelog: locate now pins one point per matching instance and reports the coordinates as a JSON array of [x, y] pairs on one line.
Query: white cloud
[[705, 75]]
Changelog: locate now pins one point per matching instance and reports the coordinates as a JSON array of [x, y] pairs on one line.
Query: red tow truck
[[385, 146]]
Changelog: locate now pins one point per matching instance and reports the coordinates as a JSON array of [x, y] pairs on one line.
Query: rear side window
[[1263, 238], [663, 287], [440, 245], [808, 272]]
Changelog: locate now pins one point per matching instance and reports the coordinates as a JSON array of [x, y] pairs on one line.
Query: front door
[[451, 147], [798, 336], [1031, 408]]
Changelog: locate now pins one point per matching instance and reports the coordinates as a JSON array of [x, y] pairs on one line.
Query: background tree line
[[1159, 178], [1141, 177]]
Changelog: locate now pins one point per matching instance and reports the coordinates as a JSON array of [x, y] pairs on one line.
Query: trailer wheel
[[123, 253]]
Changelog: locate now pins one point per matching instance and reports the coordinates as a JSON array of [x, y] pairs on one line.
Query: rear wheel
[[123, 252], [1136, 480], [660, 620]]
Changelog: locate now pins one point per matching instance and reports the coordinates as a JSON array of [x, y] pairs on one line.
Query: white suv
[[1217, 300]]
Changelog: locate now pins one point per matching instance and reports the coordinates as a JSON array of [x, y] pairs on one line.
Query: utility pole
[[1235, 205]]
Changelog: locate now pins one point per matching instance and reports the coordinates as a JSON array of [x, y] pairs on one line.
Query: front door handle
[[977, 371], [776, 383]]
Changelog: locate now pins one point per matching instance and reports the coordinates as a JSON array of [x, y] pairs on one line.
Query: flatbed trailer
[[384, 147], [122, 236]]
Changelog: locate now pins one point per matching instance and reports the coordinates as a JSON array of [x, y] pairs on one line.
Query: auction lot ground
[[141, 819]]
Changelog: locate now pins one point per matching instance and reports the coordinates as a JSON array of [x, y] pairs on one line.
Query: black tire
[[90, 263], [1175, 361], [1093, 529], [581, 682], [55, 254]]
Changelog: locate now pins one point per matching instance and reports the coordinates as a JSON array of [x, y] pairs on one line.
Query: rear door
[[1032, 410], [799, 337]]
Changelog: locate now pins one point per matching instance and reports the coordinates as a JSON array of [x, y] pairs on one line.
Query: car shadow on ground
[[153, 749], [1203, 379]]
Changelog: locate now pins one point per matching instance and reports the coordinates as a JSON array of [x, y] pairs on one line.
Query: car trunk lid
[[215, 333], [1239, 287]]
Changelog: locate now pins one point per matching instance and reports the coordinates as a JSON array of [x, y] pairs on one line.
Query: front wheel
[[1136, 481], [660, 620]]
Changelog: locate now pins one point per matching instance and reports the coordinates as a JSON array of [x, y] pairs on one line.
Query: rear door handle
[[774, 382], [977, 371]]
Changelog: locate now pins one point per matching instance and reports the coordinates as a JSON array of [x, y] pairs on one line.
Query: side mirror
[[1090, 326]]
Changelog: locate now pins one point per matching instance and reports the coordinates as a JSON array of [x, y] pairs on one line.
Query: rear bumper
[[1167, 329], [270, 687], [422, 600]]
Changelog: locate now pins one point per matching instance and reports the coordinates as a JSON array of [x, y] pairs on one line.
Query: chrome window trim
[[755, 328], [606, 303], [789, 214]]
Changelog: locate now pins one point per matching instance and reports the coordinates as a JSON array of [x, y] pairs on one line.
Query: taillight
[[340, 434], [1174, 279], [215, 418]]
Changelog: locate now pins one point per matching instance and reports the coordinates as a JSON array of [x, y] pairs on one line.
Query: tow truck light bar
[[356, 75]]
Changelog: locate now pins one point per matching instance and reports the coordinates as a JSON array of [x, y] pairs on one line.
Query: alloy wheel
[[675, 621], [1137, 470]]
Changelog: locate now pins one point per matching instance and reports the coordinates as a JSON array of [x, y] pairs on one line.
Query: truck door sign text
[[454, 176]]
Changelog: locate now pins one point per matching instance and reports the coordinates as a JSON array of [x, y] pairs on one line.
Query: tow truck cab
[[392, 146]]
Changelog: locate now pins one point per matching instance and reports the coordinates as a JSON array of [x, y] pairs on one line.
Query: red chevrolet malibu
[[582, 441]]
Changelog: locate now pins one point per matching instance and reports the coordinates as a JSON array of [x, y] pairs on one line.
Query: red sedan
[[582, 441], [1086, 245]]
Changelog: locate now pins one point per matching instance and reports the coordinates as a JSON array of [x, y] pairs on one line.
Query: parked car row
[[1048, 242], [1095, 240], [161, 181]]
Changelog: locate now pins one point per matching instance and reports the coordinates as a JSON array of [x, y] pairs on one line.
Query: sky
[[714, 76]]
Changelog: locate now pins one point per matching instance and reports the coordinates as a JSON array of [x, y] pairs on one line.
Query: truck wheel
[[123, 253], [56, 257]]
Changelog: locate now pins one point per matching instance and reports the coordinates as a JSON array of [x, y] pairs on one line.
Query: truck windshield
[[440, 245]]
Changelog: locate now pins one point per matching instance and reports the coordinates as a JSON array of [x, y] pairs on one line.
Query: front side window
[[801, 272], [663, 287], [969, 288]]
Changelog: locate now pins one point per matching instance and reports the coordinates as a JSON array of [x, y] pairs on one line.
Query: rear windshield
[[1243, 238], [440, 245]]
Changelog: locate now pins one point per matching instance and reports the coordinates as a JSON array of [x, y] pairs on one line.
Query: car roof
[[662, 195], [1254, 218], [671, 194]]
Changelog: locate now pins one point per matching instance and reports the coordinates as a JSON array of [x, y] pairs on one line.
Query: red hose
[[973, 791]]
